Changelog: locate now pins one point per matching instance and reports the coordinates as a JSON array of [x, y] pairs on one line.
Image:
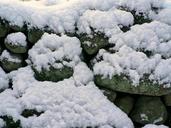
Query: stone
[[30, 112], [4, 29], [92, 44], [34, 35], [16, 48], [1, 49], [167, 100], [125, 103], [16, 43], [111, 95], [18, 28], [121, 84], [149, 110], [10, 62], [140, 18], [53, 74]]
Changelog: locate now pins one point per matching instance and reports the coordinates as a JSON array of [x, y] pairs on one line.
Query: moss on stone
[[34, 35], [121, 84], [53, 74], [9, 66], [16, 48], [91, 45]]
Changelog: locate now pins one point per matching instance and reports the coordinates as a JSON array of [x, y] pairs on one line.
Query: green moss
[[53, 74], [16, 48], [97, 40], [121, 84], [9, 66], [34, 35], [149, 110]]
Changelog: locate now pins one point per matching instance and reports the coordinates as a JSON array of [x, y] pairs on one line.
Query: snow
[[64, 104], [3, 79], [72, 106], [52, 48], [16, 39], [104, 21], [141, 6], [9, 57], [164, 16], [2, 123], [135, 65], [62, 16], [154, 37], [76, 101], [155, 126], [82, 74], [167, 4]]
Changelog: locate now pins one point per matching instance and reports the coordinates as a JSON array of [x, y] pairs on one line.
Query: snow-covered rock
[[63, 15], [64, 104], [16, 42]]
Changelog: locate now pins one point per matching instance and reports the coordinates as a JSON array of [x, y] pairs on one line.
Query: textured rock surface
[[117, 83], [167, 100], [125, 103], [149, 110], [34, 35], [91, 44]]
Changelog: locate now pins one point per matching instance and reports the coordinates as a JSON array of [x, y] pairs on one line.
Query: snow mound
[[164, 16], [135, 65], [154, 37], [16, 39], [104, 21], [51, 49], [63, 18], [64, 104]]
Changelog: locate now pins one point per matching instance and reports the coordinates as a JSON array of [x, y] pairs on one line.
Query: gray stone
[[125, 103], [167, 100], [111, 95], [149, 110]]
